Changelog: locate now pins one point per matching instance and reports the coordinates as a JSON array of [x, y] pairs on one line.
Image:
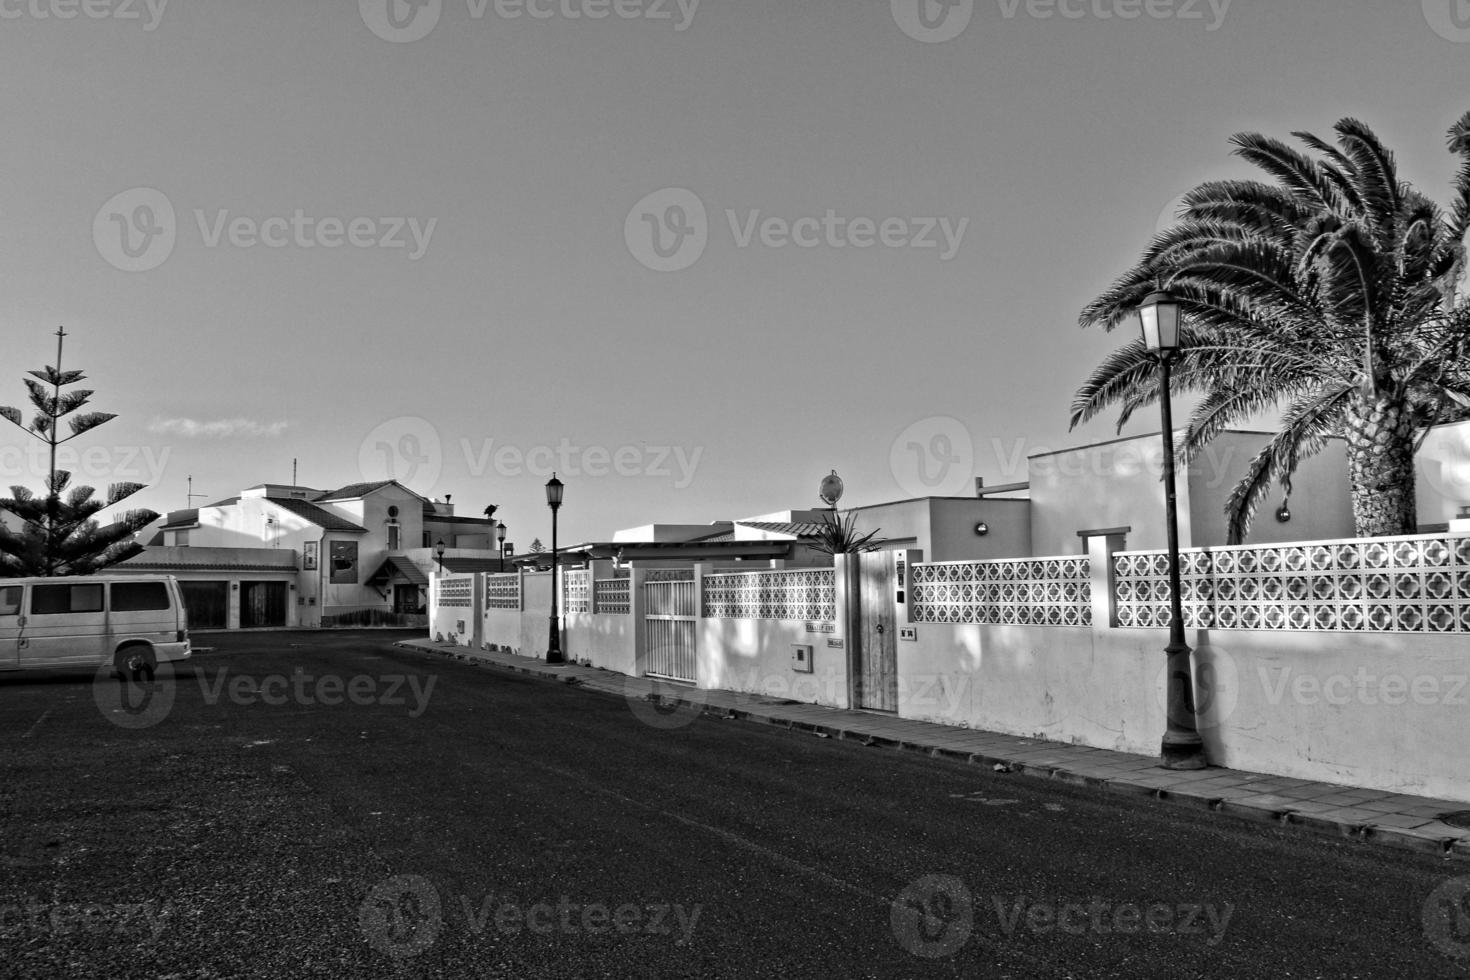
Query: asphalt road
[[325, 804]]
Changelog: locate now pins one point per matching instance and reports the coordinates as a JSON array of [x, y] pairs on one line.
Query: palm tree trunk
[[1380, 449]]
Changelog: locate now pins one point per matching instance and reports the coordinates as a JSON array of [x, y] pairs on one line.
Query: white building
[[279, 555]]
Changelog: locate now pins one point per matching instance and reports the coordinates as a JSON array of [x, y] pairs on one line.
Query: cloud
[[217, 428]]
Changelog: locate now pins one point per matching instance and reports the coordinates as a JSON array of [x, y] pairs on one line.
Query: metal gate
[[670, 610]]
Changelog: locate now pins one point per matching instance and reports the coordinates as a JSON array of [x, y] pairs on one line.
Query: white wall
[[1442, 473]]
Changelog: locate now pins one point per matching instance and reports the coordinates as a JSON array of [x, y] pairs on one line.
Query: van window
[[10, 600], [51, 599], [137, 596]]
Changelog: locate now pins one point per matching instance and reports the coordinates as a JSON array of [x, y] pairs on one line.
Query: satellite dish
[[831, 489]]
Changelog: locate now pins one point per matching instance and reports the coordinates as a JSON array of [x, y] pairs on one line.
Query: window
[[393, 529], [138, 596], [344, 562], [10, 600], [49, 600], [181, 539], [308, 555]]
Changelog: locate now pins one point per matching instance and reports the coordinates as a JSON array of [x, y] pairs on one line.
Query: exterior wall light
[[982, 529], [1283, 513]]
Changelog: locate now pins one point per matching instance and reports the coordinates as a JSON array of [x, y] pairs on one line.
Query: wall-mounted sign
[[821, 627], [308, 555], [908, 632], [835, 644]]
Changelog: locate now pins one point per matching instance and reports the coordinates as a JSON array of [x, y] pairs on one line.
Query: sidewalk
[[1365, 815]]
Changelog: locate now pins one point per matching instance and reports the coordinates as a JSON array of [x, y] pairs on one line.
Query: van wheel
[[135, 663]]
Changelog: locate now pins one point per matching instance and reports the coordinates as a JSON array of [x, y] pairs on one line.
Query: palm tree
[[840, 536], [1330, 295]]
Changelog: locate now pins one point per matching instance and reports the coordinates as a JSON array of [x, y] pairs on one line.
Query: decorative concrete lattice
[[579, 591], [807, 594], [670, 575], [613, 596], [456, 591], [503, 591], [1416, 584], [1023, 592]]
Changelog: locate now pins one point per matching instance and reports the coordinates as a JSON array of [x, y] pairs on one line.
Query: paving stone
[[1429, 842], [1400, 820]]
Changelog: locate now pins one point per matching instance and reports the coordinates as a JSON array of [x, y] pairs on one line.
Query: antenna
[[189, 497], [293, 471]]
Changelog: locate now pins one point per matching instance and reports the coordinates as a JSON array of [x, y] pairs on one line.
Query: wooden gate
[[670, 609], [874, 628], [207, 603], [262, 604]]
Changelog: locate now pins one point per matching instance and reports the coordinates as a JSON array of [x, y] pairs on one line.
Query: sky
[[692, 256]]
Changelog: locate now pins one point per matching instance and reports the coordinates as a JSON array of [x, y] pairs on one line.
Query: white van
[[133, 622]]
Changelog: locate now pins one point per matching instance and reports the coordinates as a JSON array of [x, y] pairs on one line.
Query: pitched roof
[[402, 566], [354, 491], [324, 519], [802, 529], [211, 559], [180, 518]]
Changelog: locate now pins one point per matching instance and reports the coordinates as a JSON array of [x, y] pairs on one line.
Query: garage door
[[208, 604]]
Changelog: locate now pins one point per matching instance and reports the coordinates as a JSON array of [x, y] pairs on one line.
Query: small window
[[181, 539], [393, 537], [47, 600], [10, 600], [139, 596]]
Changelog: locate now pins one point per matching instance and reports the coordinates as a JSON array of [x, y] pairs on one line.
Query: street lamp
[[553, 500], [439, 553], [500, 542], [1158, 319]]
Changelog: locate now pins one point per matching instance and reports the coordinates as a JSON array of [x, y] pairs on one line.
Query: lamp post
[[439, 554], [553, 500], [1158, 319], [500, 543]]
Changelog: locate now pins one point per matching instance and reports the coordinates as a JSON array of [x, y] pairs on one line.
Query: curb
[[1281, 817]]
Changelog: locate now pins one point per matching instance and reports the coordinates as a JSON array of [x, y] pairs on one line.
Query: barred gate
[[670, 609]]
